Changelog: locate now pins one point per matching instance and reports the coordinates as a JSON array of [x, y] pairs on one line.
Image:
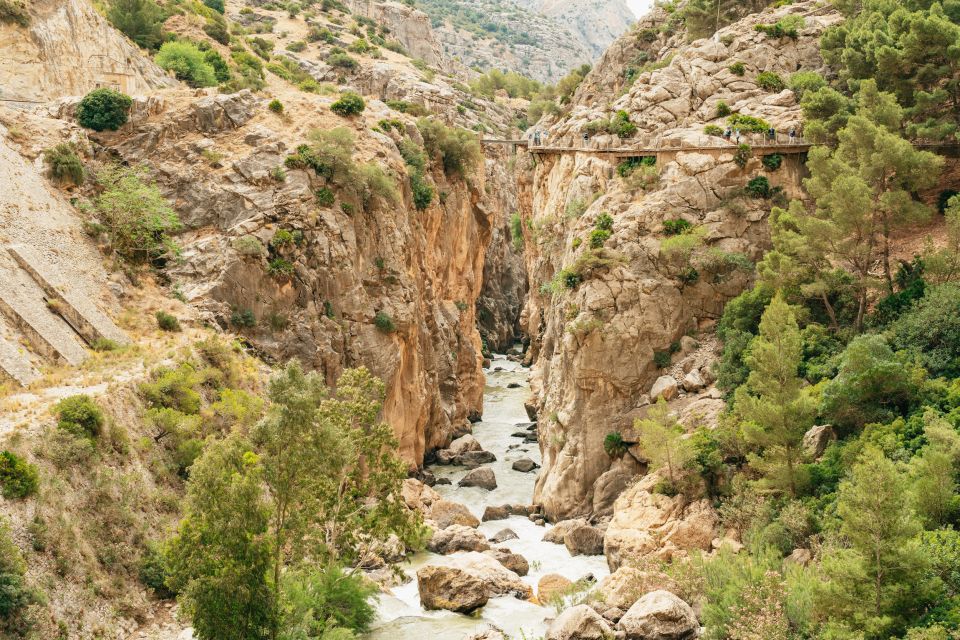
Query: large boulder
[[418, 496], [473, 459], [608, 488], [450, 588], [646, 523], [483, 478], [513, 561], [660, 615], [457, 538], [665, 387], [562, 528], [503, 535], [464, 444], [552, 585], [494, 512], [525, 465], [584, 540], [579, 623], [445, 513], [693, 381], [817, 439]]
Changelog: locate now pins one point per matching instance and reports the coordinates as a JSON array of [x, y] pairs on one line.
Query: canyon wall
[[598, 315]]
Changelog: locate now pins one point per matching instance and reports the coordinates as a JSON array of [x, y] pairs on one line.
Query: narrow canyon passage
[[401, 615]]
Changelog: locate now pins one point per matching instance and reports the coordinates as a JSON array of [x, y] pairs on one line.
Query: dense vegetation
[[841, 331]]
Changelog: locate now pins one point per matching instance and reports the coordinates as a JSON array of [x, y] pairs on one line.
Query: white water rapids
[[400, 616]]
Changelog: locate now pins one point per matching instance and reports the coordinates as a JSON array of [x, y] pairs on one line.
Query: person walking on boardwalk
[[536, 138], [793, 134]]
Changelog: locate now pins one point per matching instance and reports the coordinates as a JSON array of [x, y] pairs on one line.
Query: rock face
[[408, 25], [596, 24], [660, 615], [646, 523], [421, 271], [579, 623], [68, 50], [595, 338]]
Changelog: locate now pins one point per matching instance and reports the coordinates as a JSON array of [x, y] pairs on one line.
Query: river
[[400, 615]]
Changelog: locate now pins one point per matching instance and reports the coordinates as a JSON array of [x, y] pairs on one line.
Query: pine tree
[[662, 442], [874, 577], [776, 409]]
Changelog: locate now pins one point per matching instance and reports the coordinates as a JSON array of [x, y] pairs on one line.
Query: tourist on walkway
[[728, 133], [536, 138], [793, 134]]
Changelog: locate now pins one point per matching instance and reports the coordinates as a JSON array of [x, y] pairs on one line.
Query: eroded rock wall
[[594, 339], [421, 269]]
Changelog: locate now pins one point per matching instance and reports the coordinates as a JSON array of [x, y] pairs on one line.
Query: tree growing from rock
[[662, 442], [775, 408]]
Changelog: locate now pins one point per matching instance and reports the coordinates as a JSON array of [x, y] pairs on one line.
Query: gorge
[[331, 320]]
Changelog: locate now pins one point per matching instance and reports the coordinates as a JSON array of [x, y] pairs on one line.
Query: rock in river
[[525, 465], [483, 478]]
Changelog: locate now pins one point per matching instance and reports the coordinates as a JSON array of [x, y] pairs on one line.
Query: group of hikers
[[732, 134]]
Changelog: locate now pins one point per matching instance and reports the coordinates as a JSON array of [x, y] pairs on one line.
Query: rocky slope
[[69, 49], [595, 335], [596, 23]]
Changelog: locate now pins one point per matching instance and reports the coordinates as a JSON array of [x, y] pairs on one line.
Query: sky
[[640, 7]]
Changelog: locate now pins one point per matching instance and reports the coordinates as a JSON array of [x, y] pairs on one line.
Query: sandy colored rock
[[817, 439], [660, 615], [512, 561], [446, 513], [626, 585], [463, 444], [503, 535], [579, 623], [645, 523], [450, 588], [457, 538], [665, 387], [608, 488], [693, 381], [483, 478], [560, 530], [418, 496], [584, 540]]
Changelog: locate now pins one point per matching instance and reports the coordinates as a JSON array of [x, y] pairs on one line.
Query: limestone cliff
[[70, 49], [599, 314], [596, 23]]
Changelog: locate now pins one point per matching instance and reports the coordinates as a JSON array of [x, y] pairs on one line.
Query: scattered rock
[[503, 535], [551, 585], [513, 385], [492, 633], [513, 561], [585, 540], [483, 478], [464, 444], [561, 529], [496, 513], [473, 459], [444, 481], [525, 465], [450, 588], [457, 538], [665, 387], [817, 439], [693, 382], [579, 623], [660, 615], [519, 434], [446, 513]]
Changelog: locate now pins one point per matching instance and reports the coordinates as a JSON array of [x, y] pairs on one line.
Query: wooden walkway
[[759, 144]]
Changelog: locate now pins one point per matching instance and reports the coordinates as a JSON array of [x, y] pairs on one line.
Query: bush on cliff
[[104, 109]]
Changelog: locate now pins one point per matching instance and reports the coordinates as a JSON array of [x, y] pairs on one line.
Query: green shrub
[[14, 12], [770, 81], [276, 106], [140, 20], [384, 322], [662, 359], [723, 109], [324, 197], [422, 191], [18, 478], [747, 123], [349, 104], [280, 268], [772, 162], [758, 187], [216, 5], [621, 125], [297, 46], [221, 70], [331, 600], [742, 155], [167, 322], [738, 68], [676, 226], [802, 82], [598, 237], [80, 416], [261, 46], [614, 445], [103, 109], [14, 593], [64, 164], [604, 221], [713, 130], [932, 330], [786, 27], [516, 231], [458, 150], [187, 62], [138, 219], [243, 318], [153, 572], [342, 61], [249, 246], [217, 30]]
